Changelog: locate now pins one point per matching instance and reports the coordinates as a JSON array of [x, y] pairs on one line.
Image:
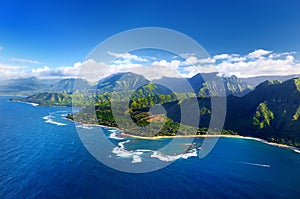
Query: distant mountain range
[[197, 84], [254, 81], [32, 85], [128, 81]]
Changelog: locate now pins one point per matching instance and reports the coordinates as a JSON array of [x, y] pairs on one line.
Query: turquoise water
[[41, 155]]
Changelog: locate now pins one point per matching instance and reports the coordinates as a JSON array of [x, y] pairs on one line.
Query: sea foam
[[49, 119], [115, 136], [297, 151], [120, 151], [84, 126], [170, 158]]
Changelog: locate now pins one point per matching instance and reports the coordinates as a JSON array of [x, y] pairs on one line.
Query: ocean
[[42, 155]]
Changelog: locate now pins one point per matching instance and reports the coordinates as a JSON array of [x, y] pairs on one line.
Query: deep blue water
[[42, 156]]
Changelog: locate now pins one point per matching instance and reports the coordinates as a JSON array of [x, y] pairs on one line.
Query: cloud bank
[[256, 63]]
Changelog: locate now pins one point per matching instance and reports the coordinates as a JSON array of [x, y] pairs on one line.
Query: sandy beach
[[122, 134], [211, 136]]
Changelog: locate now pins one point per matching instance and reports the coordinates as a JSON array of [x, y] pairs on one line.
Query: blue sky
[[35, 34]]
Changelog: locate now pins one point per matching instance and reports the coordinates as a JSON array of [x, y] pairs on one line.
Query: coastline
[[122, 134], [212, 136]]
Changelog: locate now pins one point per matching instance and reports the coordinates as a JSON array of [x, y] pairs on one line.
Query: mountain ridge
[[271, 111]]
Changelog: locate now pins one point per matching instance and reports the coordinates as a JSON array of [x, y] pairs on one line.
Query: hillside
[[271, 111], [131, 81]]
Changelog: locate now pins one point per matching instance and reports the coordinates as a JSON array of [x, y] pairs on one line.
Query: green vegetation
[[57, 99], [270, 112], [263, 116], [297, 114], [297, 83]]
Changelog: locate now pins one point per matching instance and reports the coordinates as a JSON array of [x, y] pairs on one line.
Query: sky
[[244, 38]]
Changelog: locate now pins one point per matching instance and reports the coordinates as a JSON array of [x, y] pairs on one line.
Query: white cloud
[[258, 53], [156, 72], [221, 56], [89, 69], [28, 61], [173, 64], [190, 71], [11, 71], [230, 58], [260, 63], [257, 63], [127, 56], [194, 60]]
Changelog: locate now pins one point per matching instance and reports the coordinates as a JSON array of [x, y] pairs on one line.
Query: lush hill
[[271, 111], [202, 83], [48, 99], [121, 82], [57, 99], [131, 81]]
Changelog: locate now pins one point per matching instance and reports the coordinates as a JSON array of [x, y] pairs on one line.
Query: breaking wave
[[115, 134], [170, 158], [49, 119], [84, 126], [120, 151], [297, 151]]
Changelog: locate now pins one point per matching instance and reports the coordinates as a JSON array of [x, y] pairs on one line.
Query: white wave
[[120, 151], [32, 104], [136, 159], [115, 136], [84, 126], [49, 119], [169, 158], [255, 164], [193, 153], [114, 130], [143, 150], [121, 144], [297, 151]]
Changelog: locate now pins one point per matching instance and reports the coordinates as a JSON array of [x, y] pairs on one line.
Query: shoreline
[[297, 150], [126, 135], [177, 136]]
